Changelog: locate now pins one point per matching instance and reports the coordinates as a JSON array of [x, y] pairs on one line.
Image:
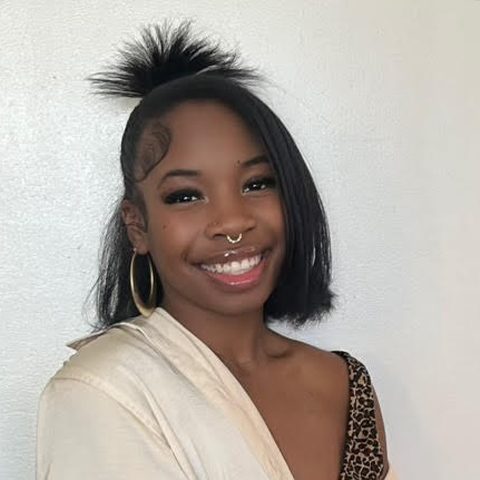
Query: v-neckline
[[164, 313], [259, 421]]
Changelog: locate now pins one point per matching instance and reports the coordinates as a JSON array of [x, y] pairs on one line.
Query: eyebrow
[[182, 172]]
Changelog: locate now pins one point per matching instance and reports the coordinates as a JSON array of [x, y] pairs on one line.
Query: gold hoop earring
[[145, 309]]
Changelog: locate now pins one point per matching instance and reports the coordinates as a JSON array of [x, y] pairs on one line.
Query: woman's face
[[214, 181]]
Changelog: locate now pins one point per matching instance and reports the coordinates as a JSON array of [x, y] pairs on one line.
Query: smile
[[237, 276], [234, 268]]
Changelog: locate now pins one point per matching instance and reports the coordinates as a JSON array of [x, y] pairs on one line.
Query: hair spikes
[[162, 54]]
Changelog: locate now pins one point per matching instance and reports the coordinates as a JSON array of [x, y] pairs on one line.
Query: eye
[[181, 196], [262, 183]]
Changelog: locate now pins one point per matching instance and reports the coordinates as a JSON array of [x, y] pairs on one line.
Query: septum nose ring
[[231, 240]]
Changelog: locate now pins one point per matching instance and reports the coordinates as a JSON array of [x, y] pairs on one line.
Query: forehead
[[202, 130]]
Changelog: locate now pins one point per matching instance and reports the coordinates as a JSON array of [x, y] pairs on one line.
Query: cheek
[[171, 238], [276, 218], [280, 227], [273, 219]]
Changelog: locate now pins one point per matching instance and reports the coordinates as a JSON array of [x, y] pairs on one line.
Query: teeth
[[234, 268]]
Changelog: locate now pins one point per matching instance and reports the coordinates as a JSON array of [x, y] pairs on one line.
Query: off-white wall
[[384, 100]]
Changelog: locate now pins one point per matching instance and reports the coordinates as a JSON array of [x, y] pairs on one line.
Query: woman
[[221, 227]]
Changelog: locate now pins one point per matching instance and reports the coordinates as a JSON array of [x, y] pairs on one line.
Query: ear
[[135, 223]]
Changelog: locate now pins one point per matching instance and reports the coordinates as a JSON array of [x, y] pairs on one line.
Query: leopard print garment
[[363, 455]]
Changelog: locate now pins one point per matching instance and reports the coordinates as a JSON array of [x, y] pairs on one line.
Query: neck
[[242, 341]]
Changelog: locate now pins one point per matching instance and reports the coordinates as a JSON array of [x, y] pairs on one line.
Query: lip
[[230, 255]]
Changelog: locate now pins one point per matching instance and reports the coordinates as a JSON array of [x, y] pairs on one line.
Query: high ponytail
[[164, 54]]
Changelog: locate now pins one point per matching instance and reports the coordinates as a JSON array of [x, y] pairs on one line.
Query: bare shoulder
[[326, 372], [318, 361], [333, 371]]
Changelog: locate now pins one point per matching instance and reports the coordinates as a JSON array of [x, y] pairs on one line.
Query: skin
[[300, 391]]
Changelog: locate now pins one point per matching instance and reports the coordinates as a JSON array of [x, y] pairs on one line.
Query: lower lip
[[239, 282]]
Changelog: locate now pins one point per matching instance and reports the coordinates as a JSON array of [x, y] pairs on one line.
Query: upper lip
[[236, 254]]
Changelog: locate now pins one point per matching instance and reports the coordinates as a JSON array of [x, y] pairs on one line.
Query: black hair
[[166, 68]]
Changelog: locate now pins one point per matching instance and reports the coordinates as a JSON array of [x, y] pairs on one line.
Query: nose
[[230, 216]]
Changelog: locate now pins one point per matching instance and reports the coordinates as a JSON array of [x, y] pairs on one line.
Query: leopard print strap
[[363, 455]]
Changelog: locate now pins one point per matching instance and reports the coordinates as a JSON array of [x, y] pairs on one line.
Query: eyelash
[[176, 197]]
